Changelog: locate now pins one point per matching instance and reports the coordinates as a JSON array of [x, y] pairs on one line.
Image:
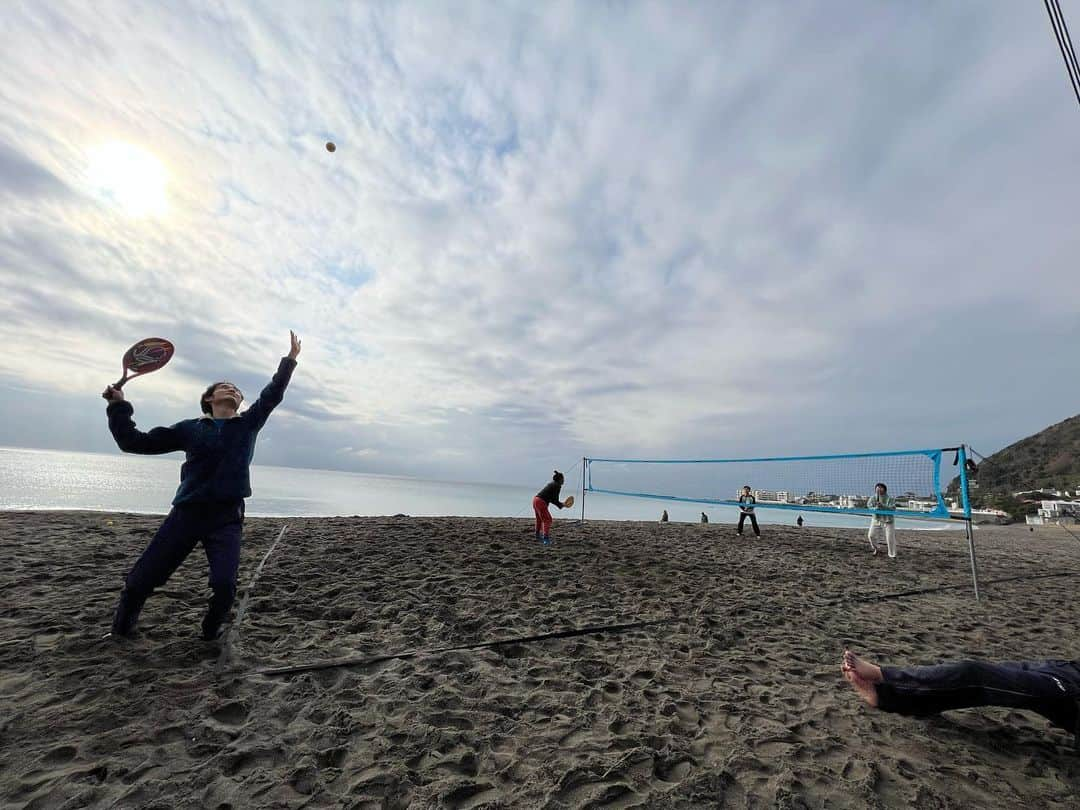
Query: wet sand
[[736, 701]]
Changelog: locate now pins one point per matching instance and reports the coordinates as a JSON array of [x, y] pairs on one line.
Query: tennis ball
[[330, 146]]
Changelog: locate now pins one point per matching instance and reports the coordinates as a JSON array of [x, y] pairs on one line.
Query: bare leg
[[870, 536], [863, 676]]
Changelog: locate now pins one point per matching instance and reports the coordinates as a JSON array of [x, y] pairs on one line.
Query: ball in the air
[[330, 146]]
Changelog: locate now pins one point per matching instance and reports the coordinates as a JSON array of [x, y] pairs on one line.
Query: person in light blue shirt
[[746, 510], [881, 499]]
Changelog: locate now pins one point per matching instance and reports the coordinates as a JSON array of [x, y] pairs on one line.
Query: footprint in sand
[[573, 739], [612, 689], [65, 753], [168, 734], [332, 757], [443, 720], [856, 770], [470, 794], [674, 771], [687, 713], [231, 714], [618, 728]]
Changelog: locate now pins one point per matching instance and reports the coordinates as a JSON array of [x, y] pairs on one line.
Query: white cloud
[[547, 230]]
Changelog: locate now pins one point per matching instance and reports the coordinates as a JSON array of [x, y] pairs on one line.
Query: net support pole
[[584, 463], [966, 503], [974, 565]]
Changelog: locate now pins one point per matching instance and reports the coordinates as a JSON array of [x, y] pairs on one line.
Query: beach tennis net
[[827, 483]]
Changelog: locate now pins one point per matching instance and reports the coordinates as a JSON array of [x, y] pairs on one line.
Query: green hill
[[1050, 458]]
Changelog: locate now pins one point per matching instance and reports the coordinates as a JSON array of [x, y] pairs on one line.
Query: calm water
[[48, 479]]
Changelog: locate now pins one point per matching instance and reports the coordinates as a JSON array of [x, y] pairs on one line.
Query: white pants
[[890, 536]]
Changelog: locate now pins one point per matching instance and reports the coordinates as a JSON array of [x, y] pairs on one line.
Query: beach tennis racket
[[145, 356], [568, 502]]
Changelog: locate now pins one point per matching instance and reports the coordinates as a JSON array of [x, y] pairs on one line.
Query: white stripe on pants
[[890, 535]]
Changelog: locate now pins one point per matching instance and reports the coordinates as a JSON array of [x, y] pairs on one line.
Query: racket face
[[568, 501], [148, 355]]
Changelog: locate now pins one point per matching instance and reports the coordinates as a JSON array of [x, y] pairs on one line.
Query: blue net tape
[[836, 483]]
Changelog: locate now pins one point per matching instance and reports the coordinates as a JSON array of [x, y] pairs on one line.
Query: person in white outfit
[[882, 523]]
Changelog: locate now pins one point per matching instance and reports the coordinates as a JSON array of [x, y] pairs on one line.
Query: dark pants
[[753, 522], [218, 527], [1051, 688]]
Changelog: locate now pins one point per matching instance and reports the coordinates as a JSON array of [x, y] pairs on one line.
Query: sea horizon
[[43, 479]]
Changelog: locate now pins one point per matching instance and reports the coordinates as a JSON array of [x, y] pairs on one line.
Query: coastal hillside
[[1049, 459]]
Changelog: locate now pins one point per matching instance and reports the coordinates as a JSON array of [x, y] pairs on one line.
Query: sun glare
[[129, 177]]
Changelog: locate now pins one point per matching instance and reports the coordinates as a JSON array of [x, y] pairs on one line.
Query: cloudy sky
[[549, 230]]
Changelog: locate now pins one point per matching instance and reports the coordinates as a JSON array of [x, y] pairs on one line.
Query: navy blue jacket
[[218, 456]]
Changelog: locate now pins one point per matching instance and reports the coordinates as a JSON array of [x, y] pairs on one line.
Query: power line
[[1068, 41], [1068, 53]]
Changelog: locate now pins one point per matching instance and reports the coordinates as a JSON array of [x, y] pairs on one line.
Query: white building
[[1055, 512], [769, 496], [1057, 493], [915, 505]]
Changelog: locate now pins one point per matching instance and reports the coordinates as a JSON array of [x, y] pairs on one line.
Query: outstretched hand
[[295, 344], [113, 394]]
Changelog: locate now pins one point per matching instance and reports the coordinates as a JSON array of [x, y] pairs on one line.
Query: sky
[[548, 230]]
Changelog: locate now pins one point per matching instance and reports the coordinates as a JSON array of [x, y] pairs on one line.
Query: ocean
[[119, 482]]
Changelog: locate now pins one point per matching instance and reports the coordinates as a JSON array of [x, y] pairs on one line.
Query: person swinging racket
[[209, 503]]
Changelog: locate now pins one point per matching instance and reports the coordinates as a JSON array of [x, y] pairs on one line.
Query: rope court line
[[358, 661], [234, 628]]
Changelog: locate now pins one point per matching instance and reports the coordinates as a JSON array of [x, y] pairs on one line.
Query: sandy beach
[[732, 697]]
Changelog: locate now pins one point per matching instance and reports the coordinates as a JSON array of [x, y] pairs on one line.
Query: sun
[[130, 178]]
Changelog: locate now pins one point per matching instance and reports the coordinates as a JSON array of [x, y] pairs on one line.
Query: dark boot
[[127, 613], [217, 611]]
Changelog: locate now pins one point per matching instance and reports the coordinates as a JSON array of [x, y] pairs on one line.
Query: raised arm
[[132, 440], [274, 392]]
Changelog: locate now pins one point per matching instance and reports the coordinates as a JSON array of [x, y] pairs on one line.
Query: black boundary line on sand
[[234, 628], [919, 591], [360, 661]]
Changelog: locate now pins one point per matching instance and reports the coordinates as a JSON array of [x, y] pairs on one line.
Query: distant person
[[663, 517], [799, 522], [746, 510], [881, 499], [548, 495], [209, 504], [704, 518], [1050, 688]]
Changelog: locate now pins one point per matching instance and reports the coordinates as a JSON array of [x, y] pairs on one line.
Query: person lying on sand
[[1050, 688], [209, 504]]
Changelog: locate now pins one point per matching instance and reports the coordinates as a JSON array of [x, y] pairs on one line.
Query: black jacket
[[218, 455], [550, 493]]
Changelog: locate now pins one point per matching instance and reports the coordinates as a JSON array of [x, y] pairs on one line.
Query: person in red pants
[[548, 495]]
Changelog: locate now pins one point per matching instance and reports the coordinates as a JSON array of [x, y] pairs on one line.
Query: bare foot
[[863, 676], [864, 669]]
